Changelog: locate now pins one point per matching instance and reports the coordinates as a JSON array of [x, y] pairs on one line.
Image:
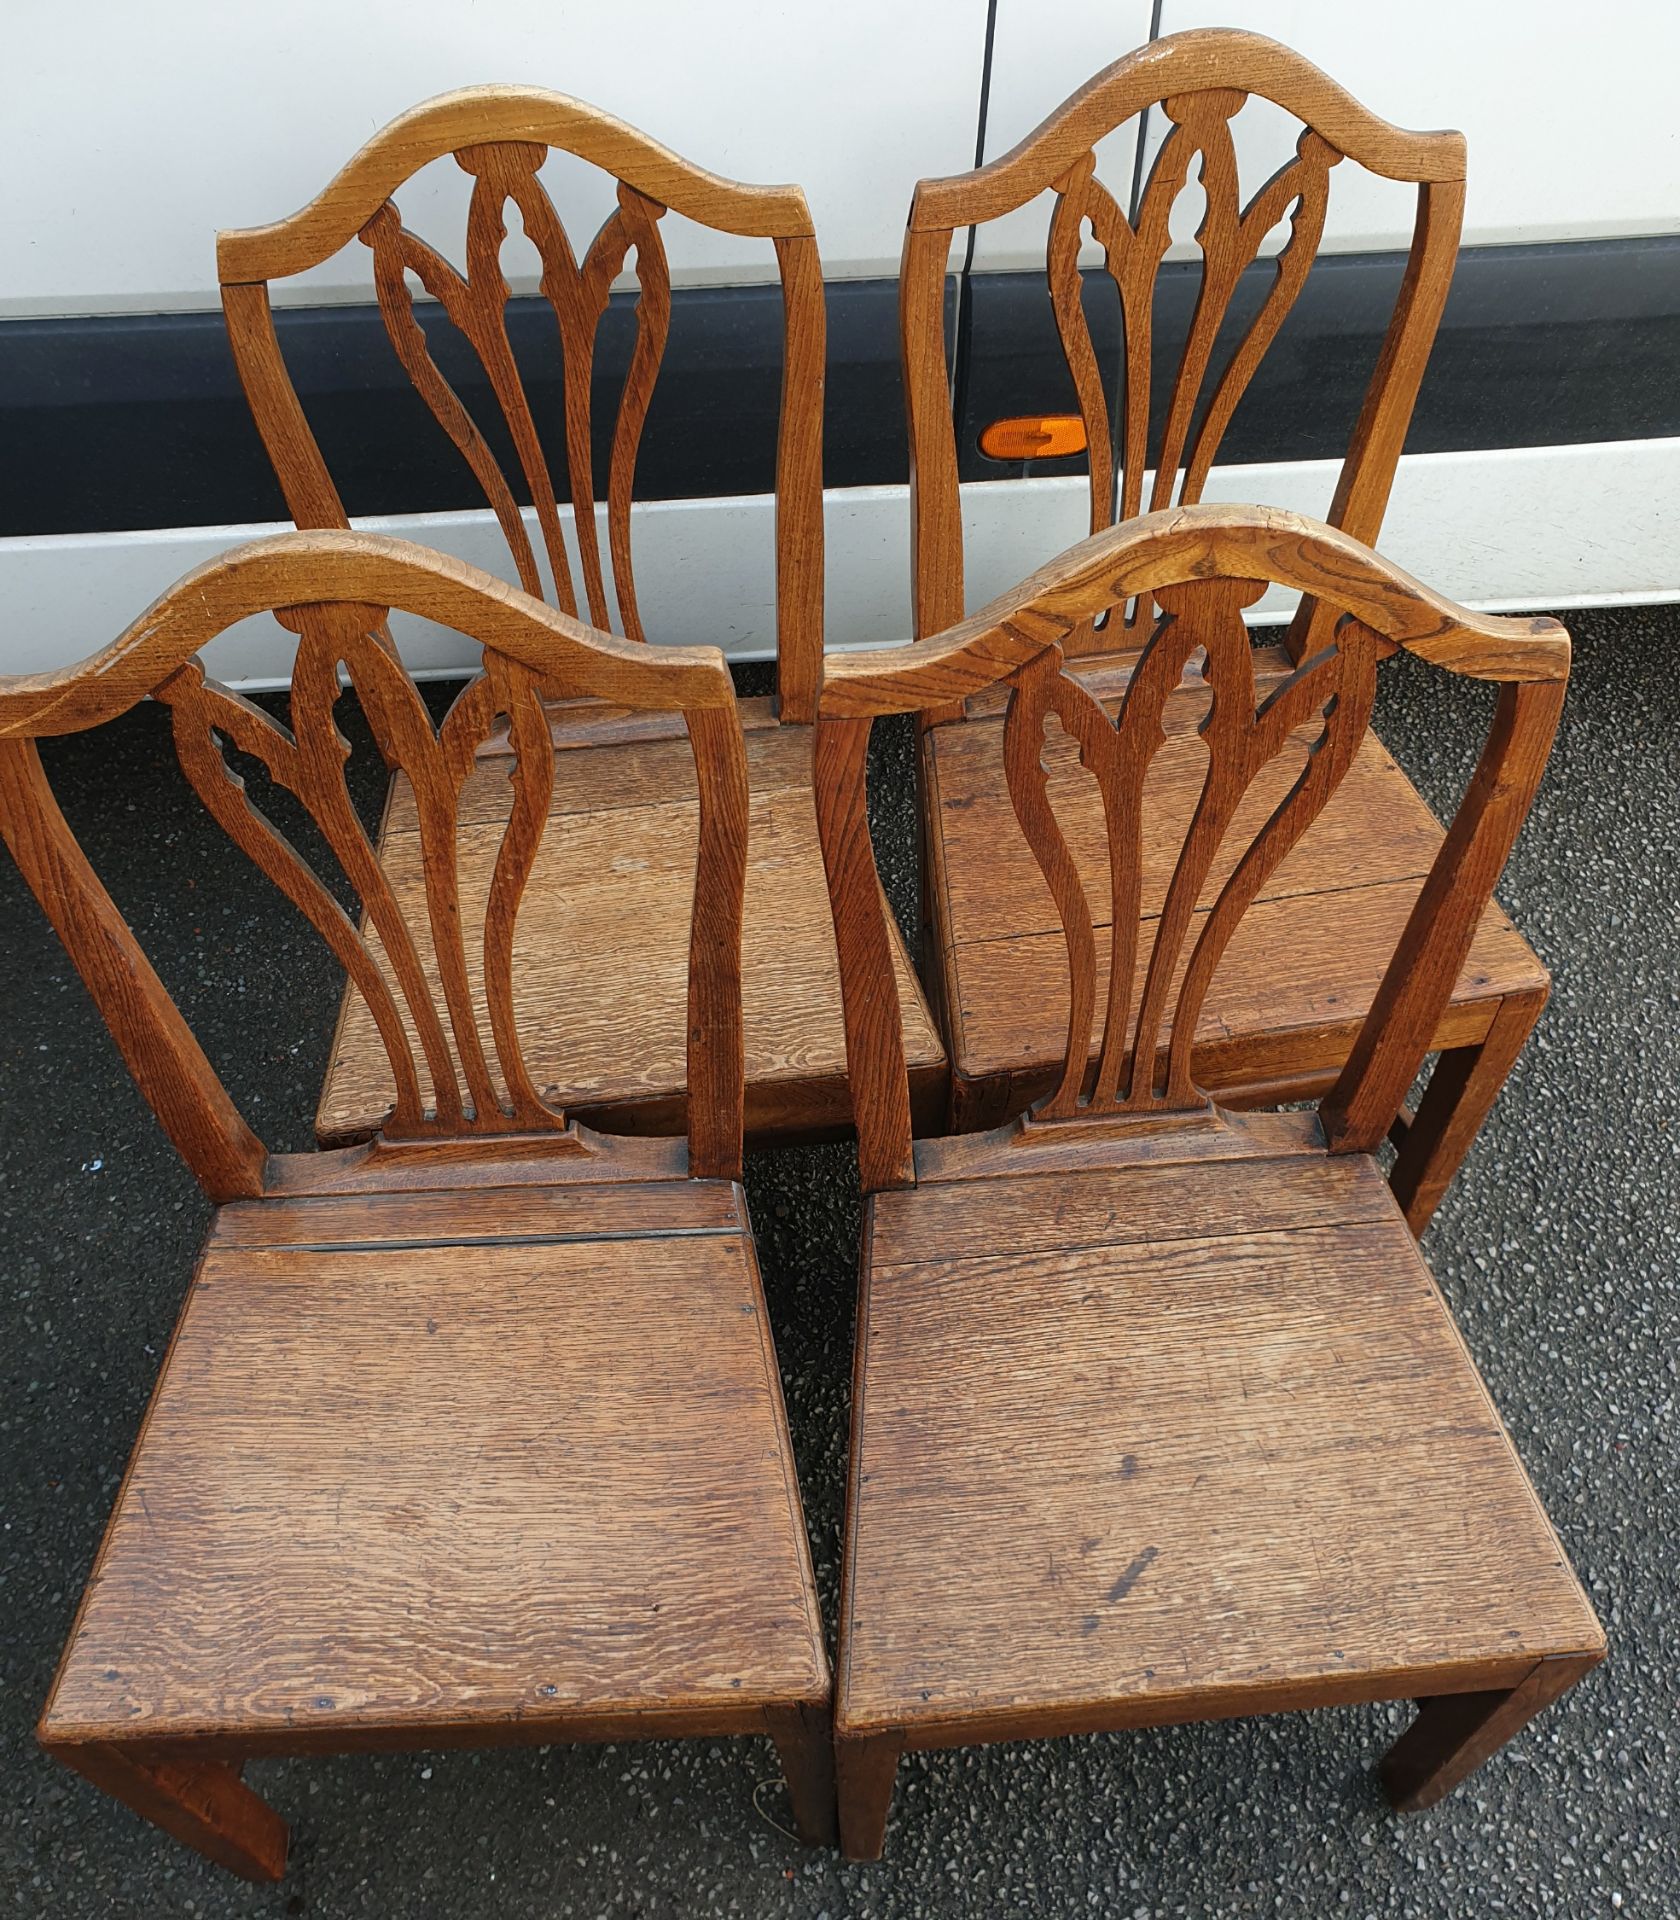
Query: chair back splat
[[1199, 81], [1130, 1035], [437, 974], [501, 136], [1158, 1415]]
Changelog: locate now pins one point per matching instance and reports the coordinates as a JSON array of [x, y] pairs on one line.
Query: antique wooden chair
[[1282, 1018], [609, 1061], [1157, 1413], [473, 1433]]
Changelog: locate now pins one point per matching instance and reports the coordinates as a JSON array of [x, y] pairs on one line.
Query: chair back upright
[[1132, 1024], [1199, 81], [501, 136], [437, 971]]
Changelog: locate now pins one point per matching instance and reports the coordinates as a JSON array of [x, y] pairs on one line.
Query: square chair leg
[[201, 1802], [864, 1770], [1455, 1732]]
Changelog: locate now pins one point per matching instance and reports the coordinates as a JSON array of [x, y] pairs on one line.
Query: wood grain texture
[[1238, 1458], [620, 852], [1197, 81], [1286, 1002], [203, 1803], [337, 568], [501, 137], [1202, 566], [1179, 64], [474, 1433], [629, 1536], [435, 969], [157, 1046], [475, 116], [1167, 549]]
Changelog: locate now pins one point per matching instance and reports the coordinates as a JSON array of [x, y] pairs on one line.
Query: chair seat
[[1301, 971], [1171, 1442], [442, 1461], [601, 954]]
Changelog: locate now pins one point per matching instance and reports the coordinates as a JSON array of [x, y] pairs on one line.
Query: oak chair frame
[[500, 135], [1199, 79], [1138, 1105], [470, 1131]]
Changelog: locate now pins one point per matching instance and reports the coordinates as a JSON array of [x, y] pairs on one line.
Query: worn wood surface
[[472, 1433], [1203, 794], [536, 1470], [618, 853], [501, 137], [1239, 1458], [1287, 1001]]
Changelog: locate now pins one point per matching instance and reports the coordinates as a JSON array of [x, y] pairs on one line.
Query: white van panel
[[127, 140], [1568, 109], [1038, 59], [1524, 527]]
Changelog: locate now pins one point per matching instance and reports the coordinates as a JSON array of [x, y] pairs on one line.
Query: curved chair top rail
[[1130, 1046], [501, 136], [438, 972], [1166, 549], [307, 569], [1193, 61], [476, 116], [1202, 79]]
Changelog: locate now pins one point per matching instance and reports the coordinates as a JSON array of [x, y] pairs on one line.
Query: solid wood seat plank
[[1298, 978], [404, 1478], [601, 948], [1238, 1453]]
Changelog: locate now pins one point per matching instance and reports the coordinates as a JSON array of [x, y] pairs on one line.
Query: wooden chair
[[622, 777], [474, 1433], [1157, 1413], [1282, 1018]]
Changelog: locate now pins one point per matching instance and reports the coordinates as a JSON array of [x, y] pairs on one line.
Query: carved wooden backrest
[[1202, 565], [453, 1043], [501, 136], [1199, 80]]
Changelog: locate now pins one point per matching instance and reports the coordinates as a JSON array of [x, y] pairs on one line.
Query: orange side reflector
[[1034, 436]]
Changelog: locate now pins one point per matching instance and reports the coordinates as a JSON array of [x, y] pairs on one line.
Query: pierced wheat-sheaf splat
[[1242, 735], [1230, 237], [1199, 80], [458, 1090], [505, 174]]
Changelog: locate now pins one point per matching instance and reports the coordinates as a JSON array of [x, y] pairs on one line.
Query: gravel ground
[[1559, 1248]]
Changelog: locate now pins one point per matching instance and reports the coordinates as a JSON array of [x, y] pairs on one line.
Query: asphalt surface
[[1559, 1249]]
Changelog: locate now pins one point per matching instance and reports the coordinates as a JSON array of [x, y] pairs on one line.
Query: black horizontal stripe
[[138, 421]]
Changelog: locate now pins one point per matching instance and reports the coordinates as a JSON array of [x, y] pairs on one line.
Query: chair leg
[[1461, 1091], [864, 1770], [1455, 1732], [201, 1802], [805, 1746]]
